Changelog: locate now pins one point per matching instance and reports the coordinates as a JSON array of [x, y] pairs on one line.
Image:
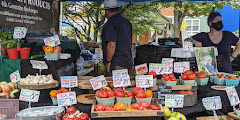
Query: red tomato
[[111, 85], [84, 116], [120, 94], [189, 92], [141, 95], [173, 79], [151, 106], [166, 78], [65, 117], [152, 73], [76, 118], [62, 90], [181, 92], [184, 77], [111, 106], [44, 47], [140, 107], [145, 104], [191, 77], [155, 108], [171, 75], [71, 110], [136, 90], [188, 72], [59, 115], [100, 107], [111, 93], [196, 73], [102, 94], [164, 75], [70, 119], [55, 96], [135, 105], [119, 90], [202, 75], [108, 108], [129, 94]]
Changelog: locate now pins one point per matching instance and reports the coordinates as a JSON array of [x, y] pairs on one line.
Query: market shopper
[[222, 40], [116, 38]]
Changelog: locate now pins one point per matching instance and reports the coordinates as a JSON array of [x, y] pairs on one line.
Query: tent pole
[[61, 17]]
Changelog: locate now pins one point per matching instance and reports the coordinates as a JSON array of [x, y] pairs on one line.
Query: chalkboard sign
[[162, 92], [9, 107]]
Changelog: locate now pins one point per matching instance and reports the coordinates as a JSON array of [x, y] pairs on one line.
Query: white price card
[[29, 95], [168, 63], [19, 32], [39, 64], [69, 81], [121, 78], [212, 103], [98, 82], [141, 69], [66, 99], [50, 41], [181, 67], [15, 76], [174, 101], [157, 68], [144, 81], [56, 40], [232, 96], [187, 46]]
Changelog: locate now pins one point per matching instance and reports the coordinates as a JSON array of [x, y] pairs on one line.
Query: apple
[[57, 49]]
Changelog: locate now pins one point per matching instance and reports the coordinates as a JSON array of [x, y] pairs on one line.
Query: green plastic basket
[[202, 81], [186, 82], [4, 118], [212, 78], [232, 82], [139, 100], [238, 113], [53, 56], [154, 81], [105, 101], [169, 83], [219, 81], [126, 100], [54, 100]]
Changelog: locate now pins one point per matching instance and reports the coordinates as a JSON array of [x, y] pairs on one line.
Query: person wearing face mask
[[222, 40], [116, 39]]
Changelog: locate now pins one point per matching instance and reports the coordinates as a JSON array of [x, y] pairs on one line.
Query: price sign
[[162, 92], [121, 78], [29, 95], [212, 103], [50, 41], [19, 32], [69, 81], [56, 40], [15, 76], [174, 101], [168, 63], [157, 68], [98, 82], [232, 96], [66, 99], [39, 64], [181, 67], [187, 46], [141, 69], [144, 81]]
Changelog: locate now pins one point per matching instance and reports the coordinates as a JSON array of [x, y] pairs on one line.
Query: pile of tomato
[[170, 77], [53, 93], [185, 92], [189, 75], [140, 93], [73, 114]]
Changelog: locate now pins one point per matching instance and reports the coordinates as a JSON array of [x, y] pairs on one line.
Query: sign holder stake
[[214, 113], [40, 71], [172, 110], [234, 108], [29, 104], [70, 89]]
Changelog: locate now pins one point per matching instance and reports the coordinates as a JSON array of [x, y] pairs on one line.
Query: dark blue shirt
[[224, 47], [118, 29]]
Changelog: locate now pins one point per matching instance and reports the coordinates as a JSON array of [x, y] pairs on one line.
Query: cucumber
[[37, 56]]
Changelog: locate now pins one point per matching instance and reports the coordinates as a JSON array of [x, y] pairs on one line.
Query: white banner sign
[[212, 103], [168, 63], [19, 32], [144, 81], [39, 64], [66, 99], [157, 68], [98, 82], [174, 101], [121, 78], [187, 46], [69, 81], [181, 67], [29, 95], [232, 96], [15, 76]]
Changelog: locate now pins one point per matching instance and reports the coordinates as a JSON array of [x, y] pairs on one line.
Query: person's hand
[[108, 66], [231, 58], [198, 44]]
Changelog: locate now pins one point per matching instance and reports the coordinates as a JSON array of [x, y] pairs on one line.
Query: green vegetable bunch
[[7, 38]]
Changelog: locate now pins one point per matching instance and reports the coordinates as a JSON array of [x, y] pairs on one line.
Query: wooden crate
[[234, 115], [176, 87], [214, 118], [140, 113]]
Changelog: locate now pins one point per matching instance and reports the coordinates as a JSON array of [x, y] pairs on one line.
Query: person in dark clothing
[[116, 38], [222, 40]]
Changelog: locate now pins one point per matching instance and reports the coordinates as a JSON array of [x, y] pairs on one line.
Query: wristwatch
[[233, 57], [109, 61]]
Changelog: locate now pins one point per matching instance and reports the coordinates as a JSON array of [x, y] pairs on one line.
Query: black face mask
[[217, 26]]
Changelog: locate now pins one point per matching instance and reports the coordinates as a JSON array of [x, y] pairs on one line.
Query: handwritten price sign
[[39, 64], [52, 41], [15, 76], [69, 81], [121, 78], [168, 63], [232, 96], [29, 95], [212, 103], [141, 69], [19, 32], [144, 81], [174, 101], [187, 46], [98, 82], [66, 99], [157, 68], [181, 67]]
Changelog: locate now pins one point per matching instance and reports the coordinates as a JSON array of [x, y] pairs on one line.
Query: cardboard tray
[[213, 118], [140, 113], [234, 115], [177, 87]]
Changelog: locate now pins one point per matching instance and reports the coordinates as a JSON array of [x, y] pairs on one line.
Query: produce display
[[140, 93], [38, 79], [189, 75], [173, 116], [73, 114], [8, 90], [49, 49], [53, 93], [170, 77]]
